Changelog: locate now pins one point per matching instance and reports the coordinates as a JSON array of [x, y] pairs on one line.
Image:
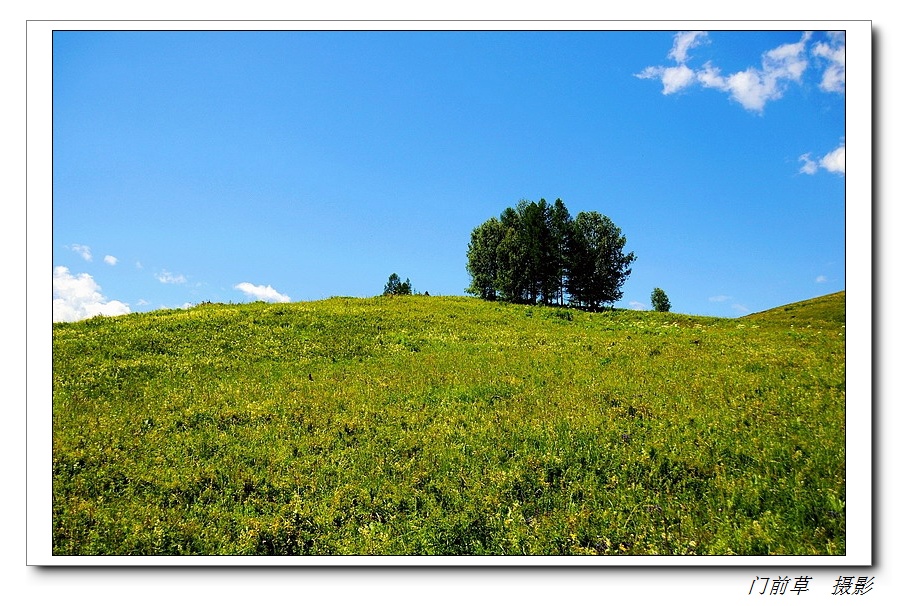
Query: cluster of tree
[[536, 253], [395, 286]]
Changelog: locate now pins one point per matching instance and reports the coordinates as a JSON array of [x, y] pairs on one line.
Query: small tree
[[395, 286], [660, 302]]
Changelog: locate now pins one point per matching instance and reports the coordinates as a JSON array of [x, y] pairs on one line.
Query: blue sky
[[236, 166]]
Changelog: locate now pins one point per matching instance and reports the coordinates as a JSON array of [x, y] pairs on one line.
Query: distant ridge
[[828, 309]]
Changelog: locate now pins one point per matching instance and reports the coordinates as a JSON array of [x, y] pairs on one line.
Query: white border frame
[[859, 289]]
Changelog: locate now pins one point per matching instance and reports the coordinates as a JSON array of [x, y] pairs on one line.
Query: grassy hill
[[449, 425], [825, 311]]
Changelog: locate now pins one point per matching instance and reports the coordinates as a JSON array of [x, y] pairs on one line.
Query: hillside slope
[[446, 425], [826, 310]]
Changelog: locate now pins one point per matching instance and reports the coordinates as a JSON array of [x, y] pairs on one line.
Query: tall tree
[[533, 238], [511, 278], [598, 266], [483, 259], [559, 223]]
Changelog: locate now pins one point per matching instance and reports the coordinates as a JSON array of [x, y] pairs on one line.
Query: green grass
[[827, 311], [449, 425]]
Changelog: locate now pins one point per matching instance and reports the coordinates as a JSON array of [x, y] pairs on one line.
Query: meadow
[[449, 425]]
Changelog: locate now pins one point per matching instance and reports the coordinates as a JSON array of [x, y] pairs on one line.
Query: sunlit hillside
[[449, 425]]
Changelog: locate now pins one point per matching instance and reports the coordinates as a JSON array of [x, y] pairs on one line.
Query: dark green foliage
[[660, 302], [483, 263], [536, 253], [395, 286], [597, 265], [559, 232]]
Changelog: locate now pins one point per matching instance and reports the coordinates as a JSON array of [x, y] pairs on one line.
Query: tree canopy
[[395, 286], [536, 253], [660, 302]]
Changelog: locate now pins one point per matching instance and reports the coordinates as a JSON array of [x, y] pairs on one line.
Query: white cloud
[[809, 166], [834, 162], [138, 265], [262, 293], [833, 54], [683, 41], [787, 61], [821, 279], [78, 297], [166, 277], [637, 305], [710, 77], [742, 309], [142, 302], [719, 298], [82, 250], [676, 79], [752, 87], [110, 260], [650, 72]]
